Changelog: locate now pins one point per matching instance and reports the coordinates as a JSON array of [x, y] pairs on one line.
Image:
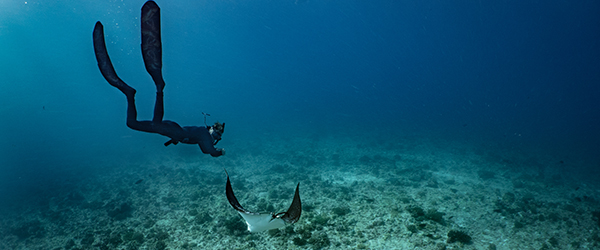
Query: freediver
[[205, 136]]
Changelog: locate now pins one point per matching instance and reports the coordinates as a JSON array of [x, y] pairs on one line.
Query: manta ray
[[258, 222]]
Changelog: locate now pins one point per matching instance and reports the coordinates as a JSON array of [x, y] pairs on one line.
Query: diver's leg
[[104, 63], [151, 43], [132, 121], [108, 71], [158, 108], [152, 53]]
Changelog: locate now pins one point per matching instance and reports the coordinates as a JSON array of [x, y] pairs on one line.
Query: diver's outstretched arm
[[151, 43], [104, 63]]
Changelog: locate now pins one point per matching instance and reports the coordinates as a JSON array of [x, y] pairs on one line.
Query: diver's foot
[[128, 91], [160, 88], [159, 82], [123, 87]]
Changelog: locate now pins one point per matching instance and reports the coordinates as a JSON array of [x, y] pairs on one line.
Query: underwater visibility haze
[[408, 124]]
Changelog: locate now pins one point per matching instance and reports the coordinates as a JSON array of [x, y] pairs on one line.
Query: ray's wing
[[231, 198], [293, 213]]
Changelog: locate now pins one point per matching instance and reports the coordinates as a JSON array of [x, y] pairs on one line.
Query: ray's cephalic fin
[[258, 222]]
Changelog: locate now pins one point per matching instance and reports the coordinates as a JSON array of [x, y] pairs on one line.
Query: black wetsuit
[[152, 54]]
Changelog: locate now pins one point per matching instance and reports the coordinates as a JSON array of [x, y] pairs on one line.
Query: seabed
[[407, 194]]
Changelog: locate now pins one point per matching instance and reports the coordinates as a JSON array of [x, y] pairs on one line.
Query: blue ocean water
[[502, 76]]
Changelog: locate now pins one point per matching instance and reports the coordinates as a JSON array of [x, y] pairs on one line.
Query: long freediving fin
[[104, 63], [151, 41], [258, 222]]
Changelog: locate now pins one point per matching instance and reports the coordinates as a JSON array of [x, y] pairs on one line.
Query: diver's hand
[[222, 151]]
